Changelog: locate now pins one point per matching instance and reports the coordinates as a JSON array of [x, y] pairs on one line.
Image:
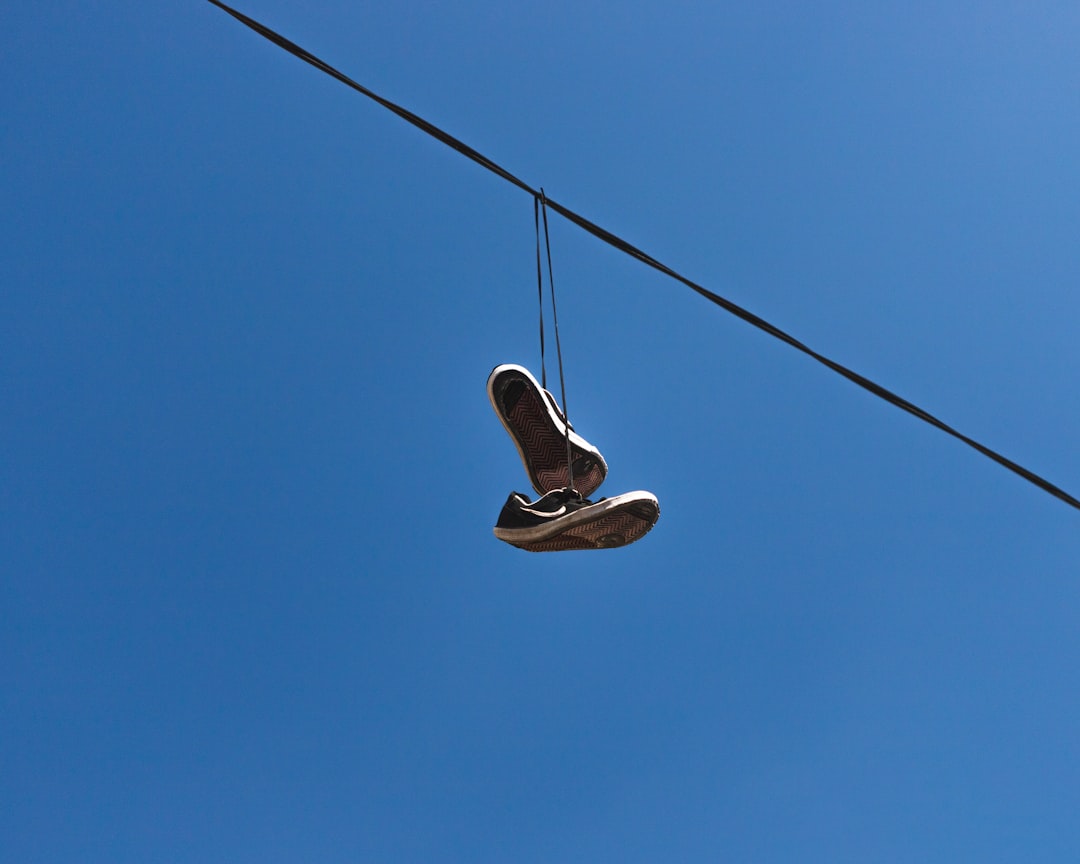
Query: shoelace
[[540, 206]]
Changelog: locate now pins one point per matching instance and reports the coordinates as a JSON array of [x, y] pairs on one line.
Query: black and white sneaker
[[539, 429], [562, 520]]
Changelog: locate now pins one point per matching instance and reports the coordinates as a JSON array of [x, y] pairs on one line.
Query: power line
[[634, 252]]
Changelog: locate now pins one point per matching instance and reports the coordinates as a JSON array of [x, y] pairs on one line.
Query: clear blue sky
[[251, 609]]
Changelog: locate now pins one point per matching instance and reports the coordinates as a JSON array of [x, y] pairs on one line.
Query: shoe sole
[[607, 524], [538, 430]]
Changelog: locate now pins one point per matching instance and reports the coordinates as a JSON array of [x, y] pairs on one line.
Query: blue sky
[[251, 608]]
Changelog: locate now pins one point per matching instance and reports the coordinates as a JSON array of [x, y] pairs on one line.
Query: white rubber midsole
[[560, 425], [558, 525]]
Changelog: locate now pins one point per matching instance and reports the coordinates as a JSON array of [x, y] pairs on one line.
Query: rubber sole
[[539, 431], [607, 524]]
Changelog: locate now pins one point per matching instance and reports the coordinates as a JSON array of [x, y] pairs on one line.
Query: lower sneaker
[[562, 520], [539, 430]]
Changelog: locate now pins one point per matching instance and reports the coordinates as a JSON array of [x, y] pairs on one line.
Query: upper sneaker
[[562, 520], [539, 429]]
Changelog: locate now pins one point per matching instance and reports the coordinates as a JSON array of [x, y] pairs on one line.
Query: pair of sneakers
[[563, 518]]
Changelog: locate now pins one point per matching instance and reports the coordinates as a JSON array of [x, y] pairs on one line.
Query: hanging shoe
[[533, 419], [562, 520]]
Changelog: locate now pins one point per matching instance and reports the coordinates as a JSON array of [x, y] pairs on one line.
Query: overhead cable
[[634, 252]]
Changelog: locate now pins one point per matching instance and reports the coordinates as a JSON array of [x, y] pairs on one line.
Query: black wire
[[404, 113], [634, 252]]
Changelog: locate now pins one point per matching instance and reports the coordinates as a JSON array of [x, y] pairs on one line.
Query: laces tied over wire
[[633, 251], [540, 208]]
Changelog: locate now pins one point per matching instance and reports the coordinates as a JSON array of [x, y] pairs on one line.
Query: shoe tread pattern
[[616, 528], [546, 448]]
